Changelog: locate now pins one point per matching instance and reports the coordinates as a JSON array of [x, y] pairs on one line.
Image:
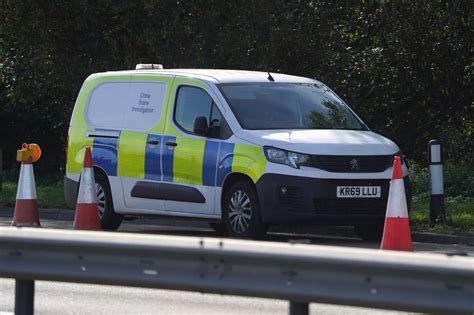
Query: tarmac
[[336, 231]]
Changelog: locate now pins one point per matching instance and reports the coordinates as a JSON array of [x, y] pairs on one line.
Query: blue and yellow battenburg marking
[[226, 154], [104, 154], [205, 162], [153, 157], [168, 158], [211, 150]]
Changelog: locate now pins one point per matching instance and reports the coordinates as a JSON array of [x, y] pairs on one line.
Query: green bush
[[420, 178], [458, 180], [404, 66]]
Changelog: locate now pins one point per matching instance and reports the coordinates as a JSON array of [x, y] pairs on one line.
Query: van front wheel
[[109, 220], [242, 212]]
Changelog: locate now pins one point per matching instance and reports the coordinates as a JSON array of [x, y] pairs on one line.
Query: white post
[[435, 161]]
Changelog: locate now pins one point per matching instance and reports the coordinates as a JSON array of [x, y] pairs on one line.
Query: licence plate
[[358, 191]]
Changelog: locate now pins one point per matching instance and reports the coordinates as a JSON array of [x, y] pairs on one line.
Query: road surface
[[67, 298]]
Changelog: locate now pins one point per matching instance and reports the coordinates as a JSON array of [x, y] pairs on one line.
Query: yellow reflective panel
[[188, 161], [78, 141], [131, 154], [249, 160]]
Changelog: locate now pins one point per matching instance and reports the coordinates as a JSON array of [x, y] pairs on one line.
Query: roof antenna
[[270, 78]]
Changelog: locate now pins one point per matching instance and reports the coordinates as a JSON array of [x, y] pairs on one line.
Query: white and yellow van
[[240, 149]]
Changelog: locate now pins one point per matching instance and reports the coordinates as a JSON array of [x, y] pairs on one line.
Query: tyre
[[370, 232], [241, 212], [108, 218], [219, 227]]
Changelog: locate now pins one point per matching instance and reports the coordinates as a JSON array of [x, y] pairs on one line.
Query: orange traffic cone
[[26, 205], [396, 232], [87, 211]]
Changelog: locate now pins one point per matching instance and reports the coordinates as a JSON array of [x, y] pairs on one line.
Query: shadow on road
[[270, 237]]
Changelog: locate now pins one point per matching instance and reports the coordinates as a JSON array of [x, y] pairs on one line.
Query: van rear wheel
[[241, 212], [109, 220]]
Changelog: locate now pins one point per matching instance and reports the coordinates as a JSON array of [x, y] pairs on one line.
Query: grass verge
[[50, 195], [459, 216]]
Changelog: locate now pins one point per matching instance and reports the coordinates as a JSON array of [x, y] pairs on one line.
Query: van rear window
[[126, 105]]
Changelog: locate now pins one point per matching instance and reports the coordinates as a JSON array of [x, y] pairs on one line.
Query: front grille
[[350, 206], [292, 198], [352, 163]]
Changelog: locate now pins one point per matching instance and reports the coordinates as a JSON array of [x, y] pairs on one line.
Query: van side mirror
[[200, 126]]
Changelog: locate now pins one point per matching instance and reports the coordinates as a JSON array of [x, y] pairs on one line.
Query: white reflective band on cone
[[87, 192], [397, 203], [436, 172], [26, 183]]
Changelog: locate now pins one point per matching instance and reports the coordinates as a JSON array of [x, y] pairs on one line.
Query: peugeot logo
[[354, 164]]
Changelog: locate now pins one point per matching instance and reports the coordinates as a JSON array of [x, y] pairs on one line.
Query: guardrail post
[[299, 308], [435, 160], [24, 297]]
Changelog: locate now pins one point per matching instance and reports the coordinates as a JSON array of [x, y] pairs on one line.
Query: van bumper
[[71, 188], [314, 201]]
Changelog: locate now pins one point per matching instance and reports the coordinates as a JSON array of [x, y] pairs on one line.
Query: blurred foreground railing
[[298, 273]]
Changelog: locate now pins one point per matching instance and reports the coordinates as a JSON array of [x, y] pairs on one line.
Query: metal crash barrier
[[299, 273]]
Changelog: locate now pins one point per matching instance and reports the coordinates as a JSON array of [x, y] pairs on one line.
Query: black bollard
[[24, 297]]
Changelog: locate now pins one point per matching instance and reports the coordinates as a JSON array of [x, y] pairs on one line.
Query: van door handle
[[111, 134], [171, 144], [153, 142]]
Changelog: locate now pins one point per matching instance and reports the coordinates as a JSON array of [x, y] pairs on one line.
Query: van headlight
[[289, 158]]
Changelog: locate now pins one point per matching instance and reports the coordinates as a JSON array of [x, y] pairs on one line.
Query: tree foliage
[[404, 66]]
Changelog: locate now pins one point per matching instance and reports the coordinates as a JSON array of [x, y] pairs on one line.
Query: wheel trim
[[240, 212], [101, 202]]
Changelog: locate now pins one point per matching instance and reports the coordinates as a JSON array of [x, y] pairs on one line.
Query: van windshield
[[288, 106]]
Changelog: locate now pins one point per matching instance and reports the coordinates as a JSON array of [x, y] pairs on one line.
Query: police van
[[242, 150]]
